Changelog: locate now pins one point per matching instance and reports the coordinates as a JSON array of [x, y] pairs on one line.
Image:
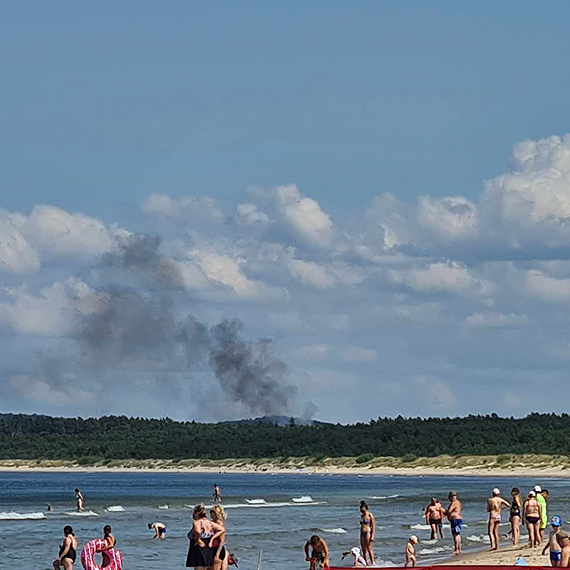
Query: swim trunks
[[435, 521], [456, 525], [556, 555], [496, 517]]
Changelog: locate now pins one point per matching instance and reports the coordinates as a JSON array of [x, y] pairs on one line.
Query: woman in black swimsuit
[[204, 533], [111, 543], [67, 550], [515, 515], [367, 532]]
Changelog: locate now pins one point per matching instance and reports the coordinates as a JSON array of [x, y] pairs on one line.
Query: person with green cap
[[543, 514]]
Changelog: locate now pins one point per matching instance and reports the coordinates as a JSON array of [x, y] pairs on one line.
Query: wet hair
[[67, 530], [363, 505], [314, 539], [107, 529], [218, 512], [199, 512], [76, 490]]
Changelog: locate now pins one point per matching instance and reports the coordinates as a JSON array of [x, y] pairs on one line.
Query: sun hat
[[496, 491], [532, 494], [355, 550], [414, 538]]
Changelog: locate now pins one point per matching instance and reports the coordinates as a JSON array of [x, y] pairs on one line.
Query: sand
[[506, 555]]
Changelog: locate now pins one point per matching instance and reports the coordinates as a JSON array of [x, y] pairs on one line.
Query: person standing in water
[[532, 514], [159, 530], [434, 517], [218, 515], [111, 542], [543, 514], [515, 513], [216, 494], [367, 533], [67, 550], [319, 556], [454, 516], [80, 500], [411, 558], [494, 506], [203, 534]]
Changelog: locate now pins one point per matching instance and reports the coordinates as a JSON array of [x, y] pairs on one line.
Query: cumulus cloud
[[185, 207]]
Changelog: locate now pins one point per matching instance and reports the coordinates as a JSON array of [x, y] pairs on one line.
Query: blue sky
[[308, 165]]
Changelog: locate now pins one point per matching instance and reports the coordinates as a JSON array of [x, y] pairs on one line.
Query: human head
[[414, 539], [77, 490], [217, 513], [433, 501], [199, 512], [149, 525], [515, 491], [496, 492], [363, 506], [556, 521], [452, 495], [537, 489], [314, 540], [67, 530], [532, 494], [107, 529], [544, 493]]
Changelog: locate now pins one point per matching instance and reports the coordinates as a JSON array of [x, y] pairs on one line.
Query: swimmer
[[555, 550], [532, 513], [216, 495], [454, 516], [67, 550], [434, 517], [494, 506], [319, 557], [219, 516], [359, 562], [111, 542], [80, 500], [367, 532], [411, 558], [159, 530]]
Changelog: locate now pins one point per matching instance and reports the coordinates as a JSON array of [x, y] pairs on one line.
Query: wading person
[[410, 552], [67, 550], [494, 506], [109, 537], [218, 515], [204, 532], [319, 556], [159, 530], [79, 500], [515, 513], [367, 533], [532, 515], [434, 517], [454, 516]]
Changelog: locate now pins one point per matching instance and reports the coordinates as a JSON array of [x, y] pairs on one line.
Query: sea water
[[272, 514]]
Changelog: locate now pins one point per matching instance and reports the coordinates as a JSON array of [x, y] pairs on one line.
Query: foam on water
[[255, 501], [163, 507], [303, 499], [333, 530], [82, 514], [13, 516], [384, 497], [478, 538], [115, 509]]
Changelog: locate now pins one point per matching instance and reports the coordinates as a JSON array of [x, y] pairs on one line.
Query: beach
[[506, 555]]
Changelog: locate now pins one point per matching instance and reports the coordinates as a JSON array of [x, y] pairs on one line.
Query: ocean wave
[[13, 516], [266, 505], [333, 530], [384, 497], [383, 563], [478, 538], [82, 514], [115, 509], [255, 501], [419, 527], [436, 550], [303, 499], [163, 507]]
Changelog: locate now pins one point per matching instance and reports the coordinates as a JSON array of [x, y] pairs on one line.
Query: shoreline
[[507, 555], [468, 466]]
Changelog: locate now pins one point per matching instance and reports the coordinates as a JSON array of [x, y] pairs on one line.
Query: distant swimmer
[[359, 562], [111, 543], [555, 550], [367, 532], [494, 506], [434, 517], [319, 556], [515, 513], [216, 495], [532, 514], [80, 500], [49, 509], [159, 530], [411, 558], [455, 519], [67, 550]]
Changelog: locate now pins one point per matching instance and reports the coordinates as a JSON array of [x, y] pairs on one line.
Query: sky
[[215, 210]]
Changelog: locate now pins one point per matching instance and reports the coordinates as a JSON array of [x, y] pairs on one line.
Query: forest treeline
[[119, 437]]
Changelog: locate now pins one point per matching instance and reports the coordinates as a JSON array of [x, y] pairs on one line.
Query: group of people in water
[[68, 550], [531, 511]]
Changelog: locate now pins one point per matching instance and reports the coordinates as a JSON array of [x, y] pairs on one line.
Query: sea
[[269, 515]]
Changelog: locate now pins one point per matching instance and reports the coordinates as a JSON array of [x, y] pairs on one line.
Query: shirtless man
[[453, 513], [434, 517], [494, 506], [319, 557], [159, 530], [80, 500], [563, 539], [411, 558]]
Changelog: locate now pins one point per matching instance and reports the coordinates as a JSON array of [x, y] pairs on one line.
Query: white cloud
[[16, 254], [358, 354], [187, 206], [305, 216], [495, 320], [453, 217], [547, 288], [248, 215], [310, 273]]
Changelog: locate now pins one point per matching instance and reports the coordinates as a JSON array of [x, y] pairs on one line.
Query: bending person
[[67, 550], [319, 556], [367, 533], [159, 529]]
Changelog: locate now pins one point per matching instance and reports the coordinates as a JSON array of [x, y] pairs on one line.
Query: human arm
[[326, 554], [219, 533], [372, 526], [307, 546], [505, 503], [66, 547]]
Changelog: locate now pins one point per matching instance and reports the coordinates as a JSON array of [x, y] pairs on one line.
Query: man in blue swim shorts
[[454, 516]]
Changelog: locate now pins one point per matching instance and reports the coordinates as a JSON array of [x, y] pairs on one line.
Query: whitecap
[[302, 499], [115, 509], [13, 516], [333, 530], [163, 507], [255, 501], [384, 497], [420, 527], [435, 550], [478, 538], [82, 514]]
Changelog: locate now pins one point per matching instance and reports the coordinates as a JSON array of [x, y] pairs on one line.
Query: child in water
[[411, 551]]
